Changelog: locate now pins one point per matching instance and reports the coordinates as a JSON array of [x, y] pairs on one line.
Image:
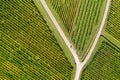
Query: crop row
[[27, 42], [105, 64], [81, 19], [113, 21], [86, 24], [25, 59], [66, 10]]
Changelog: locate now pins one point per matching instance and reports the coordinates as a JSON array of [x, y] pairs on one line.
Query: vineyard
[[28, 48], [66, 9], [87, 25], [113, 21], [105, 64], [81, 19]]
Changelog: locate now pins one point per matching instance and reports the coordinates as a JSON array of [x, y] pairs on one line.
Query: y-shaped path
[[79, 65]]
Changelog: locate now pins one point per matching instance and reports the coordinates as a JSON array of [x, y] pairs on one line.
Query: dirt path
[[79, 65]]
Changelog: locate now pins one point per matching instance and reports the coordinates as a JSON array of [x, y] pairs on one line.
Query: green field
[[66, 10], [105, 65], [113, 21], [28, 48], [88, 23], [81, 19]]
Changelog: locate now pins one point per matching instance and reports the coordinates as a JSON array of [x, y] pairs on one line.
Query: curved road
[[79, 65]]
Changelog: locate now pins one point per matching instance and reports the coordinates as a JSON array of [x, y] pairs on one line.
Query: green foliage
[[81, 19], [87, 24], [28, 49], [105, 64], [113, 21], [66, 10]]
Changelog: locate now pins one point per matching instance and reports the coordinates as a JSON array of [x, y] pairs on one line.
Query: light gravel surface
[[79, 65]]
